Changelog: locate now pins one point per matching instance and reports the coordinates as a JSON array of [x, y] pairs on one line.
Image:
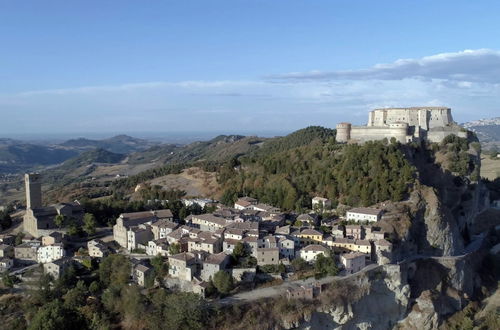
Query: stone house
[[128, 220], [287, 248], [97, 248], [162, 228], [140, 274], [252, 244], [270, 241], [212, 264], [199, 287], [53, 238], [307, 219], [208, 222], [234, 233], [284, 230], [353, 262], [176, 235], [6, 264], [338, 231], [6, 251], [374, 234], [138, 237], [27, 252], [354, 231], [229, 244], [183, 266], [305, 292], [158, 247], [205, 243], [268, 256], [57, 267], [164, 214]]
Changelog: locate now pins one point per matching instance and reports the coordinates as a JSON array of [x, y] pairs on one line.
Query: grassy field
[[490, 168], [195, 181]]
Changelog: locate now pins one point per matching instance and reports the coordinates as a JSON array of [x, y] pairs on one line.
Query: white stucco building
[[362, 214], [50, 253]]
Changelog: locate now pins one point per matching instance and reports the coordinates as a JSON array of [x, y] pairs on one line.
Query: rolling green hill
[[122, 144], [18, 157]]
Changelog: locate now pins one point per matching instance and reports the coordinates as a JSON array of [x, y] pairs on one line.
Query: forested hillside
[[288, 176]]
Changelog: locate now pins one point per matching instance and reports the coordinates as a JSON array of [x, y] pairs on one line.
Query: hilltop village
[[249, 240]]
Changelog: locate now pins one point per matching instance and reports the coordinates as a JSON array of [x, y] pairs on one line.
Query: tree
[[325, 265], [75, 297], [298, 223], [160, 266], [299, 264], [223, 281], [74, 228], [281, 268], [183, 310], [239, 251], [114, 270], [89, 223], [94, 287], [174, 248], [59, 220], [19, 238], [54, 316], [8, 280]]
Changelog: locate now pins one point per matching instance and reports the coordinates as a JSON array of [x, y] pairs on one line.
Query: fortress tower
[[33, 190], [343, 132]]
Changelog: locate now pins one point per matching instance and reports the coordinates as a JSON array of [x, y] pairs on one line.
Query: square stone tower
[[33, 190]]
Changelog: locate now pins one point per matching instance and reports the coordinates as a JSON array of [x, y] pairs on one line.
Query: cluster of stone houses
[[204, 243], [45, 250], [199, 248]]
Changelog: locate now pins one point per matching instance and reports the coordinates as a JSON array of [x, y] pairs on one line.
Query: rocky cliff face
[[439, 268], [413, 295], [442, 209]]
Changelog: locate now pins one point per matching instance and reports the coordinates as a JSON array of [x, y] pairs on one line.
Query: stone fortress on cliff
[[404, 124]]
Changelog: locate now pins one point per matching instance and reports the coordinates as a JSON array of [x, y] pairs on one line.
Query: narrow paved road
[[278, 290]]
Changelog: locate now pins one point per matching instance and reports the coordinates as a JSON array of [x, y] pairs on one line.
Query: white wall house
[[321, 203], [50, 253], [310, 252], [362, 214]]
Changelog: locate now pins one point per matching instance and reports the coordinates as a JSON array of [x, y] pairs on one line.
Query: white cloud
[[482, 65], [468, 82]]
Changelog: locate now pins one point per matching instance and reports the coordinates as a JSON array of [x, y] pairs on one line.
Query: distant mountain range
[[18, 156], [121, 144], [487, 130]]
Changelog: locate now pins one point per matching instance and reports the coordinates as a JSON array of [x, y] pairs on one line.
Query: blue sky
[[73, 67]]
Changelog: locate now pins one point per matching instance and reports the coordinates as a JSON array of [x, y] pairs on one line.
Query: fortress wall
[[440, 118], [426, 117], [363, 134], [439, 135]]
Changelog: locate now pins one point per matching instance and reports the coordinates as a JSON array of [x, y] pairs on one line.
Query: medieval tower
[[33, 190]]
